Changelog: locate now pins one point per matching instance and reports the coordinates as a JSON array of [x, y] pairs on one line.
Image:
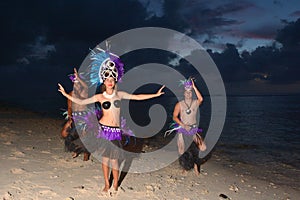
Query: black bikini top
[[106, 104]]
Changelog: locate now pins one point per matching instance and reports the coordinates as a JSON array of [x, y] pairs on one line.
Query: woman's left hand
[[159, 92]]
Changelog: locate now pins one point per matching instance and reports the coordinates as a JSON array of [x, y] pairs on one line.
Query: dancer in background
[[189, 140], [107, 69], [69, 131]]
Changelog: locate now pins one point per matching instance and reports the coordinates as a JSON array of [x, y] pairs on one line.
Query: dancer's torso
[[111, 111], [188, 119]]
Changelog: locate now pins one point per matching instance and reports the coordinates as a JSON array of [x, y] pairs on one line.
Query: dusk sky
[[247, 24], [250, 41]]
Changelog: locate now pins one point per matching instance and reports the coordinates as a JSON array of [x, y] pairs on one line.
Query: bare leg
[[180, 143], [105, 170], [196, 169], [115, 172], [65, 130], [198, 140], [184, 172]]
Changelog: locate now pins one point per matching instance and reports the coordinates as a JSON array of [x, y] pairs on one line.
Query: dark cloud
[[43, 40], [58, 22], [267, 31], [274, 63], [71, 28], [295, 14], [206, 21], [230, 64], [278, 3], [289, 36]]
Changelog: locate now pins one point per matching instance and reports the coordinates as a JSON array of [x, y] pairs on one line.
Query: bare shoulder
[[99, 97], [177, 105], [122, 94], [179, 102]]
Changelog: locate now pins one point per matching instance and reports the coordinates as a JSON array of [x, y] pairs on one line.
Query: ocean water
[[267, 124], [264, 132]]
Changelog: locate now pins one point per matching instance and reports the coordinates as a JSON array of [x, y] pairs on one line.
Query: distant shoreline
[[56, 105]]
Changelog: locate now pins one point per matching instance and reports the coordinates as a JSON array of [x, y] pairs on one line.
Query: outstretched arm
[[198, 94], [125, 95], [90, 100]]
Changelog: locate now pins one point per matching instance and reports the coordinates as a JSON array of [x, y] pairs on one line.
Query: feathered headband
[[187, 83], [73, 78], [105, 64]]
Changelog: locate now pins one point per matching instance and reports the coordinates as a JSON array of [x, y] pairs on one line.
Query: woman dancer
[[69, 131], [110, 71]]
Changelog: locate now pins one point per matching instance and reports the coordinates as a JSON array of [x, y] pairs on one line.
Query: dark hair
[[190, 157], [102, 88]]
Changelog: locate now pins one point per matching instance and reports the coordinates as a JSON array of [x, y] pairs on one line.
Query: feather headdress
[[104, 64], [187, 83]]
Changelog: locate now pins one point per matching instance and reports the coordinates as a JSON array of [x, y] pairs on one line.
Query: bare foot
[[74, 155], [196, 170], [106, 188], [114, 191], [105, 193], [86, 156], [184, 172], [115, 187]]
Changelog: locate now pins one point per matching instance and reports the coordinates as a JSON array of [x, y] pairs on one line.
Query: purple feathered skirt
[[109, 142], [102, 140], [175, 127], [194, 130]]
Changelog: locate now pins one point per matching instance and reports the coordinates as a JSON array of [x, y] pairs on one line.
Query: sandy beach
[[34, 165]]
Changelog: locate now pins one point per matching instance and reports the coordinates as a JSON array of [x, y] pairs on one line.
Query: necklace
[[108, 96], [188, 110]]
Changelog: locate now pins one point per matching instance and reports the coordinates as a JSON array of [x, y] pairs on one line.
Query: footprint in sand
[[25, 161], [54, 176], [47, 193], [19, 154], [29, 148], [17, 171], [81, 189], [8, 143], [46, 152], [4, 136]]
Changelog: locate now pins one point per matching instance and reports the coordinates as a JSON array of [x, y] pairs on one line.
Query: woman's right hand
[[159, 92], [61, 89], [76, 74]]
